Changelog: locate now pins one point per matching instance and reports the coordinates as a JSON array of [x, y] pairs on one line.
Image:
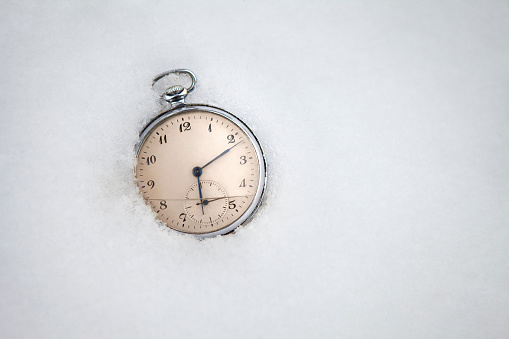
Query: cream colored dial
[[199, 171]]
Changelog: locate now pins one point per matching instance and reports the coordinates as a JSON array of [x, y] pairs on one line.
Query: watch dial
[[199, 171]]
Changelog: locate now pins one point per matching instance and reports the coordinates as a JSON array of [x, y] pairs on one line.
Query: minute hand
[[220, 155]]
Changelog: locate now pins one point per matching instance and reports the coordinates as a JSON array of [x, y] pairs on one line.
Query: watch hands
[[201, 197], [197, 172], [205, 201], [220, 155]]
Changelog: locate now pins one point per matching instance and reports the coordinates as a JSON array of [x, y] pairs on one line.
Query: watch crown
[[175, 94], [174, 90]]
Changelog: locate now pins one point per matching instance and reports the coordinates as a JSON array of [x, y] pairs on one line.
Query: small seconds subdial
[[211, 207]]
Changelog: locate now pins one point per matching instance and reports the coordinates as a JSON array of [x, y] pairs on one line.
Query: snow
[[386, 130]]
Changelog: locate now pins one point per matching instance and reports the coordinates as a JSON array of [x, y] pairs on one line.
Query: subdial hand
[[205, 201]]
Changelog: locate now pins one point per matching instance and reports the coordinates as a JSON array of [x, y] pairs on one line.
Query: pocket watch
[[200, 168]]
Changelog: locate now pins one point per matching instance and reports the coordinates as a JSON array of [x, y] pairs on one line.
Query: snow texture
[[386, 129]]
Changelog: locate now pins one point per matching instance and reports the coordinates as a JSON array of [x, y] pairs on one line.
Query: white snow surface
[[386, 131]]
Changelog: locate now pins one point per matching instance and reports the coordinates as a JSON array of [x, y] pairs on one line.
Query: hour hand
[[197, 173]]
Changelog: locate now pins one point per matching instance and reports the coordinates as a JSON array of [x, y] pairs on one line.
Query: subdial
[[214, 202]]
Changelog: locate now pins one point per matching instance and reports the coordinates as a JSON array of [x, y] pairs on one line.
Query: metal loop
[[177, 71]]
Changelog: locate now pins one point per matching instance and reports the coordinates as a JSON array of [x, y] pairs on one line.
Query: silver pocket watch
[[199, 167]]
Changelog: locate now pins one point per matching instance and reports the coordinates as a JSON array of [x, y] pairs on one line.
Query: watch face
[[201, 170]]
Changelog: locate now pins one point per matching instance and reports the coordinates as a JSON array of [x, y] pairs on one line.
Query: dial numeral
[[151, 183], [162, 139], [151, 160], [182, 217], [163, 205], [210, 127], [231, 205], [243, 160], [231, 139], [243, 183], [186, 126]]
